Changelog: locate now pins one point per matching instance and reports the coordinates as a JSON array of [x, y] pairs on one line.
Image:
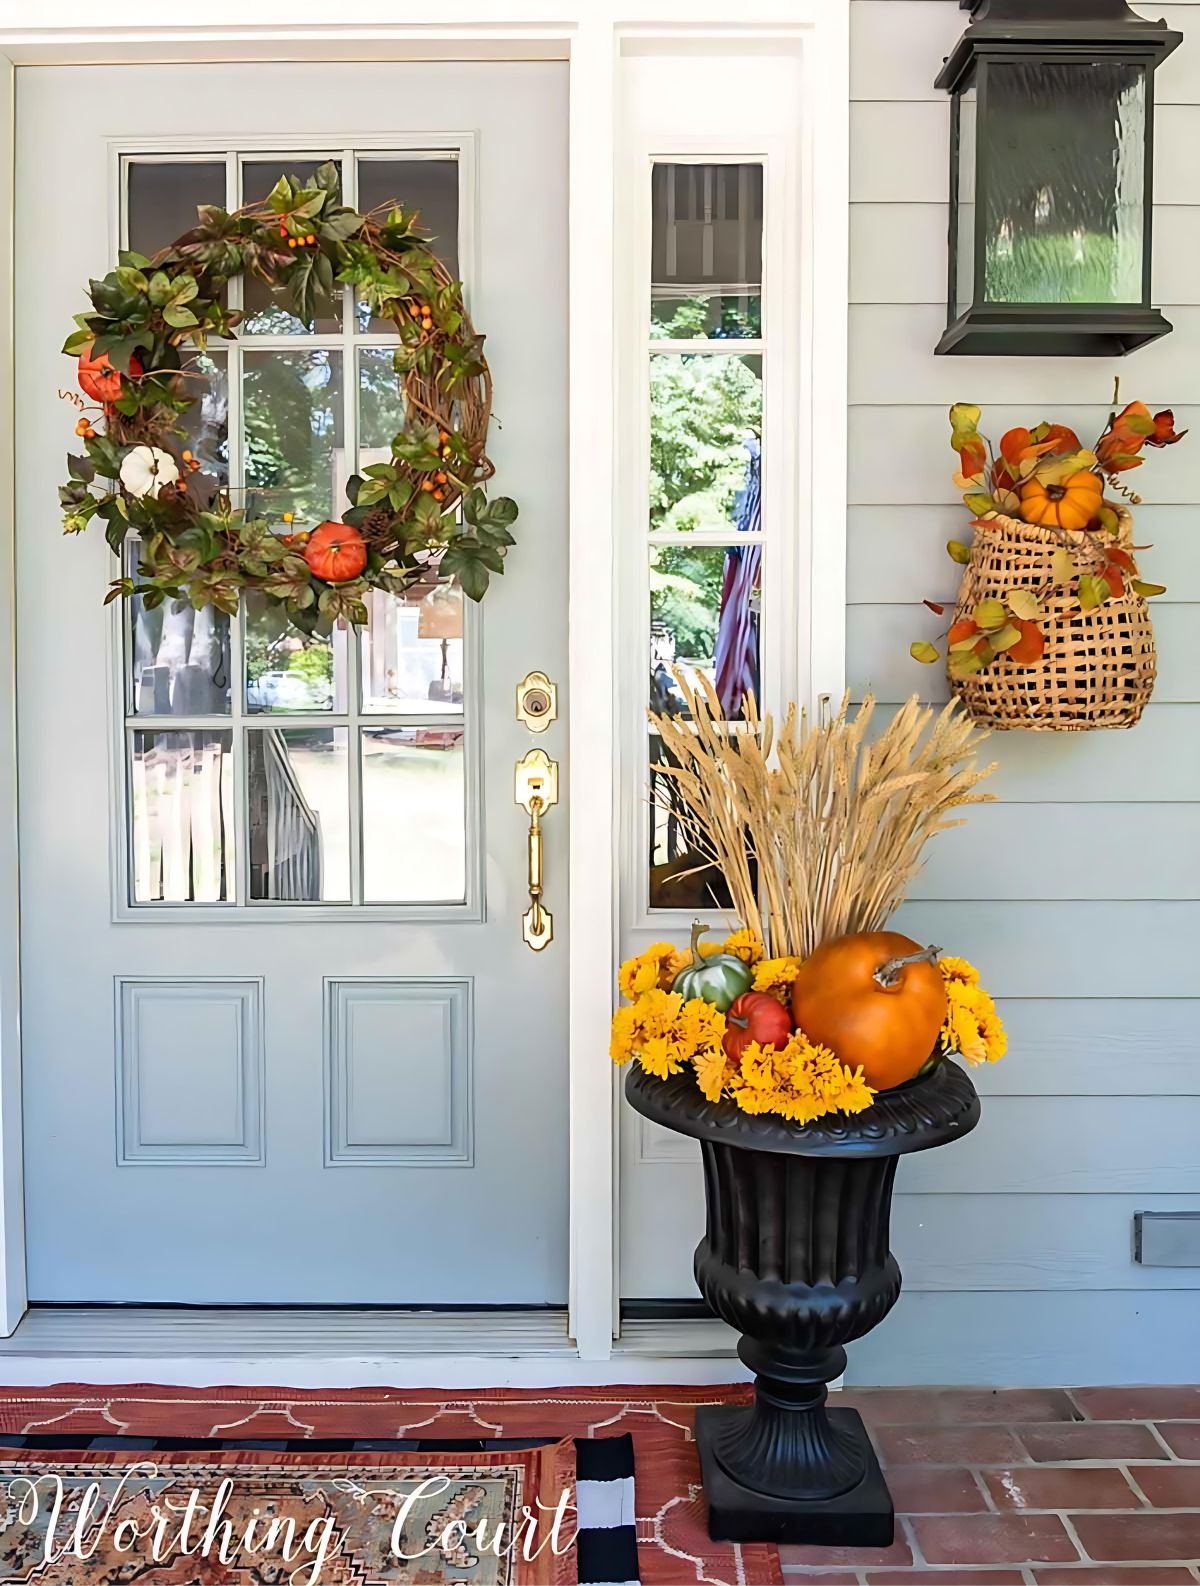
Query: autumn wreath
[[423, 508]]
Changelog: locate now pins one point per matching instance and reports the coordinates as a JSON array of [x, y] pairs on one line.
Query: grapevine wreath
[[424, 508]]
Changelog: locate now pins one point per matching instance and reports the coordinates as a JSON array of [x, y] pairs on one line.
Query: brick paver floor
[[1028, 1487]]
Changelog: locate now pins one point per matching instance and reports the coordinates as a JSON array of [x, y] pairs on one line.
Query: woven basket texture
[[1099, 666]]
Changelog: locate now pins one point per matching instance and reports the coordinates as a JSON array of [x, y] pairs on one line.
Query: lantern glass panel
[[1063, 175], [964, 284]]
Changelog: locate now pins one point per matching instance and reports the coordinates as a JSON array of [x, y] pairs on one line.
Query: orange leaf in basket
[[1114, 578], [1030, 646], [1119, 555], [963, 629]]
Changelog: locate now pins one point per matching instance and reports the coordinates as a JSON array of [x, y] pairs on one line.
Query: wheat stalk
[[817, 831]]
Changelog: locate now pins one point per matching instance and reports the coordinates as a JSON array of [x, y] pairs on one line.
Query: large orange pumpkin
[[876, 1000], [1072, 505], [336, 552], [99, 379]]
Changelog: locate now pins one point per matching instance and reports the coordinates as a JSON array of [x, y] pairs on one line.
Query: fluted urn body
[[796, 1257]]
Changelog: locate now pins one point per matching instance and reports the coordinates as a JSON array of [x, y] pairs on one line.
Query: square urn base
[[863, 1517]]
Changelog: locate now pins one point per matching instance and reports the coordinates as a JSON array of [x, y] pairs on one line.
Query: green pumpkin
[[720, 978]]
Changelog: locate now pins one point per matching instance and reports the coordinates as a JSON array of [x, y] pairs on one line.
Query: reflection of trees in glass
[[293, 420], [701, 409], [678, 318], [380, 405]]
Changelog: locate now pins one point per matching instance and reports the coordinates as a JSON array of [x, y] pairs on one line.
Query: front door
[[283, 1041]]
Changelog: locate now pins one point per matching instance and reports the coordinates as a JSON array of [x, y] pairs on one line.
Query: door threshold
[[315, 1348]]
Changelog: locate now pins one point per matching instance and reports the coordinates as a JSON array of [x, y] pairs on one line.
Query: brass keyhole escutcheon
[[537, 701]]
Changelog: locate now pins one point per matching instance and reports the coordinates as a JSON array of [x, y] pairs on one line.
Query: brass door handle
[[536, 791]]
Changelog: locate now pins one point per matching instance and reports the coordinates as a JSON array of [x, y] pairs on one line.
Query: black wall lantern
[[1051, 178]]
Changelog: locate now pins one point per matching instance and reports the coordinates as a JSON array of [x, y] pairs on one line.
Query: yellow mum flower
[[648, 971], [973, 1028], [743, 944], [800, 1081], [775, 976], [958, 969], [713, 1072]]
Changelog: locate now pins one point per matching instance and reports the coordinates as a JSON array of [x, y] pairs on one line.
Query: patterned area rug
[[300, 1441]]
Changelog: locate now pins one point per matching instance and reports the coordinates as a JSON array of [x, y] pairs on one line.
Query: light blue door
[[282, 1038]]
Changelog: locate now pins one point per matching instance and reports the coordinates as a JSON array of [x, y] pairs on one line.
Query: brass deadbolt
[[537, 701]]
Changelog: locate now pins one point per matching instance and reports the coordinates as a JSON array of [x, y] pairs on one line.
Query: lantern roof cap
[[1023, 27]]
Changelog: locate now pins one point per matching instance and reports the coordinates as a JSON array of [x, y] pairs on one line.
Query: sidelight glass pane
[[412, 653], [266, 307], [680, 878], [292, 405], [414, 815], [428, 186], [288, 669], [162, 197], [299, 814], [964, 285], [1064, 192], [706, 251], [705, 427], [181, 816], [704, 621]]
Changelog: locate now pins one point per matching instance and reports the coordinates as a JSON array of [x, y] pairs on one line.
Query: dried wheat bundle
[[817, 830]]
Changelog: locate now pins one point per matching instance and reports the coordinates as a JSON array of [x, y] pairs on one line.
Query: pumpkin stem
[[888, 975], [742, 1024], [699, 929]]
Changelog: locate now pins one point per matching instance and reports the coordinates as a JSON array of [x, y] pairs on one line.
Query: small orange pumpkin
[[336, 552], [876, 1000], [1072, 505], [99, 379]]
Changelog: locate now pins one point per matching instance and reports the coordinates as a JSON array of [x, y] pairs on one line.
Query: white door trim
[[588, 34]]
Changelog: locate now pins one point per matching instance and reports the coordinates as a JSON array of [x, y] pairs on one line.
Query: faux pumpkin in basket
[[1051, 629]]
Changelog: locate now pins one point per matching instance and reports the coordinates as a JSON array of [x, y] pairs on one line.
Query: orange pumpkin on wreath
[[99, 379], [877, 1000], [336, 553]]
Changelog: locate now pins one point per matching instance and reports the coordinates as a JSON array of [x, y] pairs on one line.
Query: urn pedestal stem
[[796, 1257]]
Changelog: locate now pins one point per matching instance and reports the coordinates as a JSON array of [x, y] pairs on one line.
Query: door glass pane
[[293, 423], [178, 662], [181, 800], [299, 813], [163, 196], [414, 815], [289, 670], [429, 186], [1064, 194], [266, 307], [705, 426], [706, 251], [381, 411], [704, 621], [205, 424], [412, 652]]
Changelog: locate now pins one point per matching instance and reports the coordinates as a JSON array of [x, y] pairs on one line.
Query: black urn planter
[[796, 1257]]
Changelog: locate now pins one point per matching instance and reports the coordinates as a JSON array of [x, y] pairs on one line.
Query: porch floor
[[1028, 1487]]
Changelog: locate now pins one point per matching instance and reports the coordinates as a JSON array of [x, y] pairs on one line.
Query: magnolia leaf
[[921, 650], [1108, 519], [979, 504], [1062, 566], [1024, 603], [1147, 591], [958, 552], [1006, 638], [1093, 591], [1008, 501], [965, 665], [971, 642], [934, 606], [990, 614], [970, 481]]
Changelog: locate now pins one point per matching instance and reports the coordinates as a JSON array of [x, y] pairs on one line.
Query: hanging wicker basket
[[1099, 666]]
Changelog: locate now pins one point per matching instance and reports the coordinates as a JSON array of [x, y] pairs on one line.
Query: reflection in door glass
[[680, 876], [163, 196], [299, 814], [429, 186], [289, 670], [293, 421], [704, 619], [181, 787], [205, 424], [412, 652], [706, 251], [179, 661], [267, 311], [414, 815]]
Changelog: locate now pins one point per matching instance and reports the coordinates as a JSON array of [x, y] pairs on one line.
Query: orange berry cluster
[[424, 313], [297, 242], [436, 485], [192, 464], [84, 428]]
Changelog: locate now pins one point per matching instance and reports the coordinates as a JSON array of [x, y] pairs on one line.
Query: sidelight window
[[263, 767]]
